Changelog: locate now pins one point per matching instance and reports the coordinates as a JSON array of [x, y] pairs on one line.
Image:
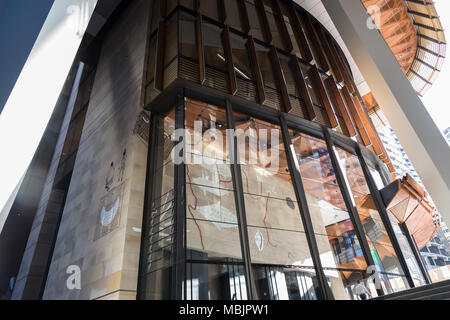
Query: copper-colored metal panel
[[330, 56], [409, 203], [281, 82], [244, 16], [324, 97], [282, 29], [163, 8], [372, 134], [345, 71], [355, 115], [299, 34], [256, 70], [160, 43], [229, 59], [300, 81], [259, 5], [315, 43], [370, 101], [397, 29], [342, 108], [221, 10], [200, 48]]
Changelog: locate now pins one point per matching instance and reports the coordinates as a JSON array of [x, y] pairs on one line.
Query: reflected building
[[218, 150], [447, 134]]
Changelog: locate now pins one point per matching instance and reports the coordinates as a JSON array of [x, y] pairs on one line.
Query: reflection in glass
[[383, 253], [242, 67], [274, 226], [215, 282], [212, 233], [159, 241], [273, 97], [407, 251], [340, 252], [215, 60], [377, 178], [253, 17], [233, 14], [187, 35], [281, 283]]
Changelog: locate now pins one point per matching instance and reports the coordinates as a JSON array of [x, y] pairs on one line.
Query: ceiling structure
[[317, 10], [412, 30], [415, 35], [397, 29]]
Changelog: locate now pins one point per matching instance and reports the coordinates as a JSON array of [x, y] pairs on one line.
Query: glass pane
[[210, 9], [340, 252], [211, 227], [215, 282], [381, 247], [233, 14], [411, 261], [242, 67], [285, 11], [171, 5], [253, 17], [171, 51], [280, 283], [212, 39], [215, 60], [151, 60], [156, 17], [273, 98], [310, 85], [274, 225], [276, 38], [377, 178], [187, 36], [158, 243]]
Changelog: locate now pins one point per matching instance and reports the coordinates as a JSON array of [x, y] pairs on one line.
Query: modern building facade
[[436, 253], [397, 154], [447, 134], [215, 150]]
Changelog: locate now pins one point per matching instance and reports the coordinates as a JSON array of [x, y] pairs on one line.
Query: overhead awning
[[410, 204]]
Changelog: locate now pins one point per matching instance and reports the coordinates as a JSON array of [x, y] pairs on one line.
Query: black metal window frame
[[175, 98]]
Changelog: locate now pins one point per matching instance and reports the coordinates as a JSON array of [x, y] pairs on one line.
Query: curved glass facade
[[260, 169]]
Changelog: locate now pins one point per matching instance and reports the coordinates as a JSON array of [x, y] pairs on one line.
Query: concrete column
[[416, 130], [34, 96]]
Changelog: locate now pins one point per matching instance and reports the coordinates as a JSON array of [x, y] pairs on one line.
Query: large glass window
[[285, 9], [150, 92], [253, 17], [275, 230], [189, 63], [273, 97], [210, 9], [295, 97], [242, 67], [159, 238], [383, 253], [340, 252], [215, 59], [214, 255], [271, 18], [405, 247], [171, 51], [233, 14]]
